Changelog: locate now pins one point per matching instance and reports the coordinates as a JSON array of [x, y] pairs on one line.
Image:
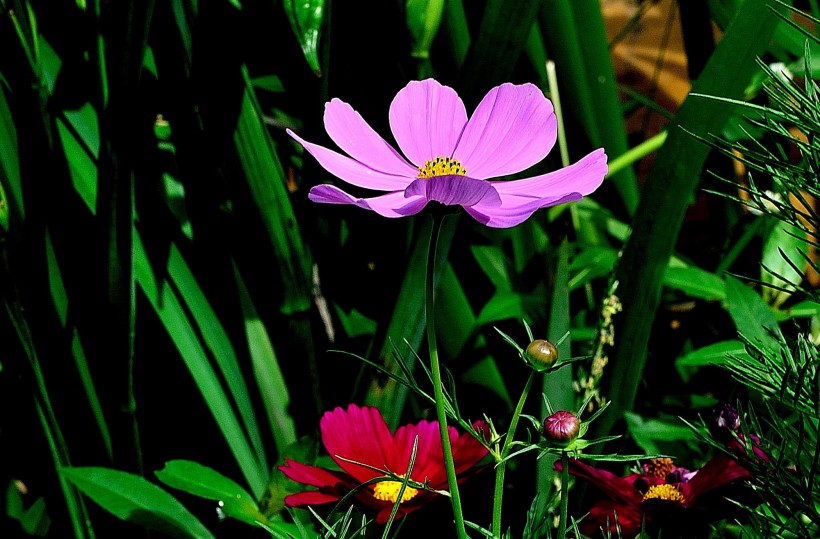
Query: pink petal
[[455, 190], [358, 434], [427, 119], [429, 466], [312, 475], [311, 497], [352, 171], [514, 210], [512, 129], [390, 205], [353, 135], [582, 177]]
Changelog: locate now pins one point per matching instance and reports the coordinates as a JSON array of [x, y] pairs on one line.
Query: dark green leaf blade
[[207, 483], [132, 498]]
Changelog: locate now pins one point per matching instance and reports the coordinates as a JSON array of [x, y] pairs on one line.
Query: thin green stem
[[501, 469], [435, 370], [562, 524]]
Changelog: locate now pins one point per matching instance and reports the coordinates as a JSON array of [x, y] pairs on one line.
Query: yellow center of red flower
[[441, 166], [664, 492], [388, 491]]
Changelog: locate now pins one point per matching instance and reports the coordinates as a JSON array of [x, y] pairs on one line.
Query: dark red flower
[[360, 434], [661, 496]]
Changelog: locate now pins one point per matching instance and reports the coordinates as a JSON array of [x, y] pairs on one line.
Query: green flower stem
[[501, 469], [562, 524], [438, 390]]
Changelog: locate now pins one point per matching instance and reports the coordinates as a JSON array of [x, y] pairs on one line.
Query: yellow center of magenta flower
[[441, 166], [659, 467], [664, 492], [388, 491]]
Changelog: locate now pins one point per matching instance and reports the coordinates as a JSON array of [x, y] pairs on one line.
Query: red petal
[[312, 475], [617, 488], [719, 471], [311, 497], [608, 515]]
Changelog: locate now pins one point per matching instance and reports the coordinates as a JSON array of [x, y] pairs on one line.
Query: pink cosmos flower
[[361, 435], [449, 158], [662, 496]]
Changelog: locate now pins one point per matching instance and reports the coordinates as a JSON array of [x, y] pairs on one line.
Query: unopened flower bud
[[541, 354], [561, 428], [725, 420]]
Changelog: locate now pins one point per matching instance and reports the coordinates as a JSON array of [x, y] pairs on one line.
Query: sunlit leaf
[[305, 17], [423, 20], [695, 282]]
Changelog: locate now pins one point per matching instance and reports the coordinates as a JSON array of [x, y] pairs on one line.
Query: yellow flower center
[[660, 467], [441, 166], [388, 491], [664, 492]]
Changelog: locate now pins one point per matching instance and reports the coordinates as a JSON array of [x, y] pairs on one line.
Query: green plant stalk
[[637, 153], [501, 468], [671, 183], [562, 523], [435, 370]]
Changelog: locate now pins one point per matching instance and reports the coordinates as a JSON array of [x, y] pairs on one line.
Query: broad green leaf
[[646, 432], [9, 163], [305, 17], [354, 323], [713, 354], [205, 482], [133, 499], [506, 305], [455, 320], [217, 341], [49, 64], [81, 164], [423, 20], [784, 253], [34, 520], [590, 263], [695, 282], [85, 124], [61, 305], [185, 337], [270, 83], [266, 370], [456, 30], [485, 373], [495, 265], [266, 181], [800, 310], [752, 316]]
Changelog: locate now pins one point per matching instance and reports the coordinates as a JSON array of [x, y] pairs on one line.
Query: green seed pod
[[541, 354]]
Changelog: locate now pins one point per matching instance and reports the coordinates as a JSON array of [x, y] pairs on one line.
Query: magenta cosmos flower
[[361, 435], [448, 158], [662, 496]]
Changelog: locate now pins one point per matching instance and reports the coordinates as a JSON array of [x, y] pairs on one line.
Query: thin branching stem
[[501, 467]]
